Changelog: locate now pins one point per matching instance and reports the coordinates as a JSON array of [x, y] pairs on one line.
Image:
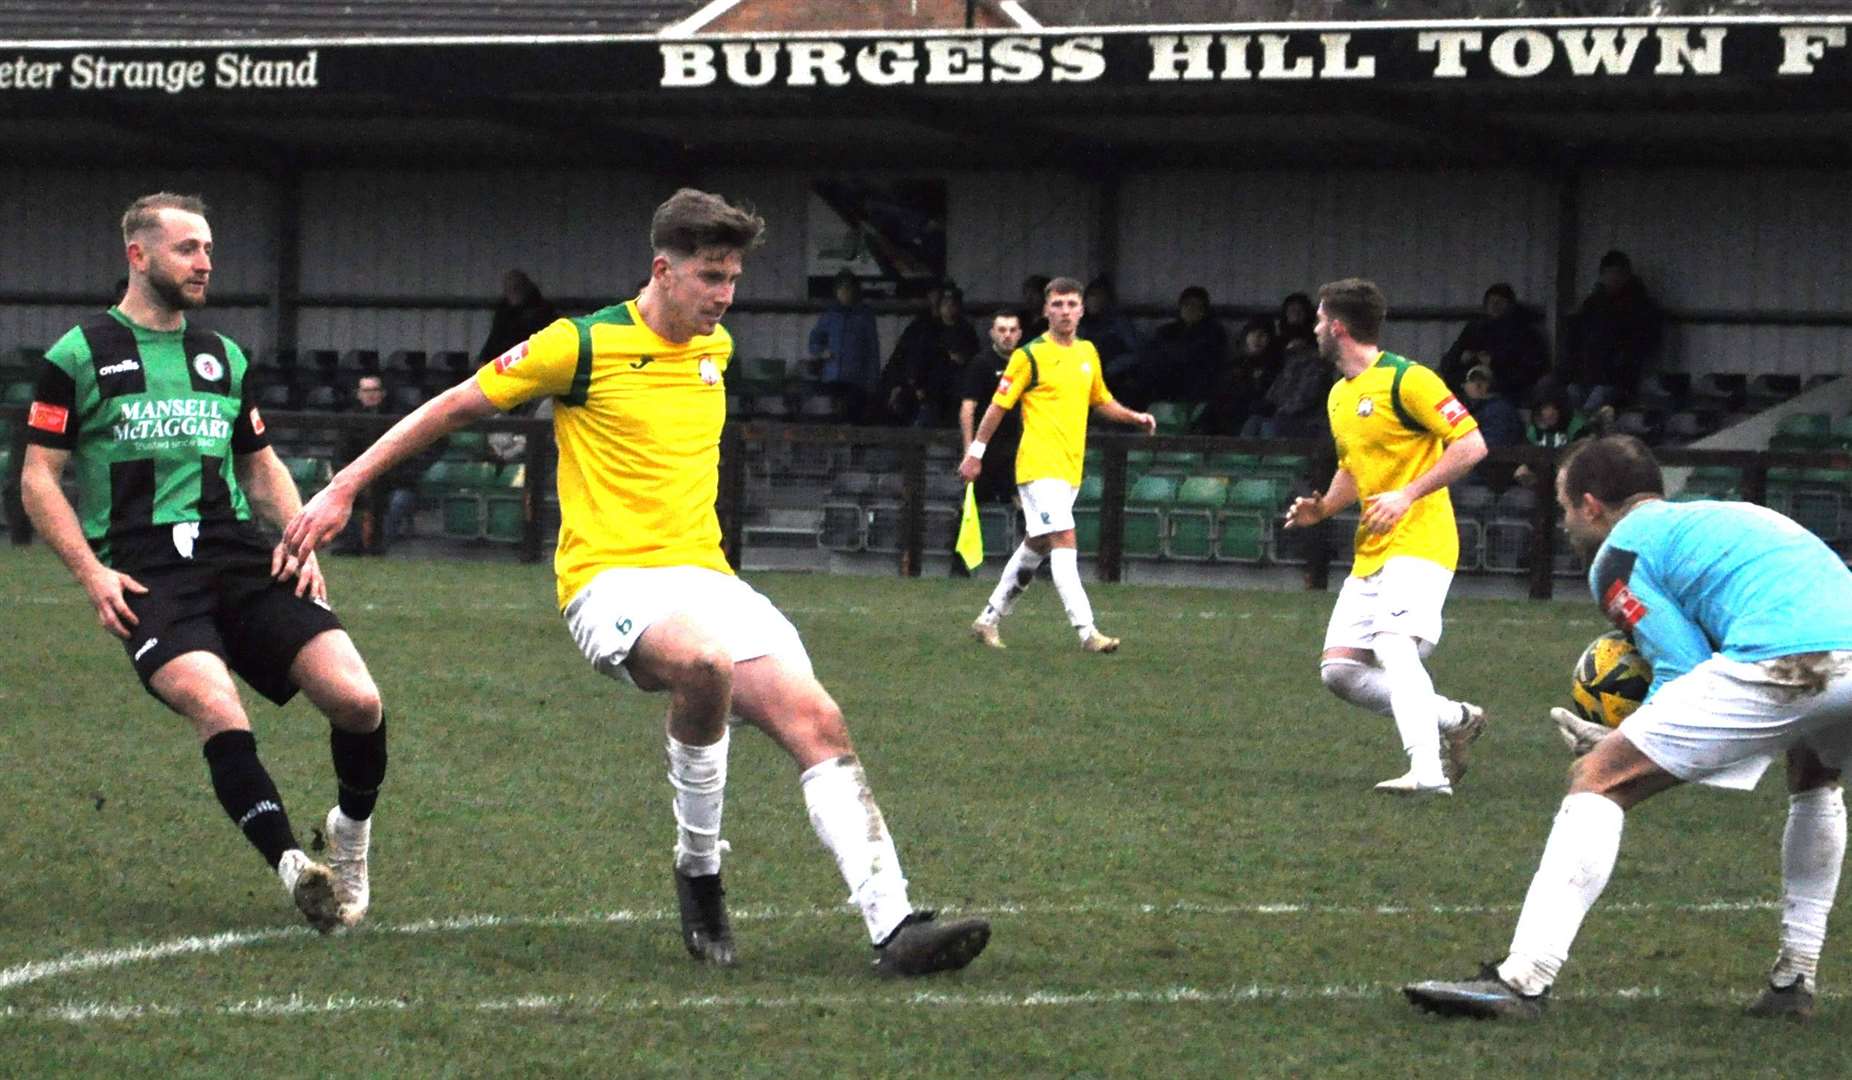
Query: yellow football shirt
[[1057, 385], [638, 423], [1391, 423]]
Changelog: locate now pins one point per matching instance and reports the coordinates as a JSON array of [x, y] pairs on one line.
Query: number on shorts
[[623, 626]]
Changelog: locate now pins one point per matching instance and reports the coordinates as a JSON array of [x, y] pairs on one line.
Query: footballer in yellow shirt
[[646, 593], [1056, 381], [1401, 438]]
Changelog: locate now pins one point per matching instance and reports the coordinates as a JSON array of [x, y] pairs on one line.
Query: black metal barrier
[[917, 457]]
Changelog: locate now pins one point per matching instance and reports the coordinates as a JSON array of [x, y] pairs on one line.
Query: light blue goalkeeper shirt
[[1689, 580]]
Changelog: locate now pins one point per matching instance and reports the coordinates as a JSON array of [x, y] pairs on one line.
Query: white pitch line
[[105, 959], [1237, 994]]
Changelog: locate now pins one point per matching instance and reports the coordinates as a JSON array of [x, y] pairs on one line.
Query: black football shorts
[[228, 606]]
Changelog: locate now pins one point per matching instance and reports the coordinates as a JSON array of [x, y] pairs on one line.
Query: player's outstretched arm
[[327, 513], [272, 491], [1119, 414], [55, 519]]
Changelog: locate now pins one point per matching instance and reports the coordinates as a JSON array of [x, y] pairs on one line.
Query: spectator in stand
[[1297, 314], [1553, 424], [522, 313], [1240, 388], [1504, 339], [1182, 358], [943, 379], [1498, 420], [898, 403], [1113, 335], [1296, 399], [1031, 306], [385, 509], [847, 349], [1612, 338]]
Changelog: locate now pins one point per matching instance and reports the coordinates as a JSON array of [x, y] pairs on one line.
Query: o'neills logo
[[173, 418], [118, 367], [935, 61]]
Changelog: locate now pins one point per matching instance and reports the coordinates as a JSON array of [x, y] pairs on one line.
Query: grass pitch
[[1178, 846]]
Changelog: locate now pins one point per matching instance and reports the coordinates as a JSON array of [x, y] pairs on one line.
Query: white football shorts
[[1047, 506], [614, 609], [1723, 722], [1403, 596]]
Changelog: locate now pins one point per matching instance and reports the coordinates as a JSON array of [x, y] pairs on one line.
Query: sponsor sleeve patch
[[1622, 607], [257, 421], [52, 418], [1451, 410], [1003, 385], [510, 358]]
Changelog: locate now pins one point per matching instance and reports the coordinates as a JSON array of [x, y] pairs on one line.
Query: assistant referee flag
[[970, 546]]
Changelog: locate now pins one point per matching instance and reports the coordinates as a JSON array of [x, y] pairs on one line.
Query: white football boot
[[311, 886], [347, 857]]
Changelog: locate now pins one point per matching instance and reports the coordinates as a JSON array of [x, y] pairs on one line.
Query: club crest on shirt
[[207, 366], [1365, 406], [710, 371]]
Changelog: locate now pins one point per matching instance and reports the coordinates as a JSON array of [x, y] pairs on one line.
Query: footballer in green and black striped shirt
[[172, 465]]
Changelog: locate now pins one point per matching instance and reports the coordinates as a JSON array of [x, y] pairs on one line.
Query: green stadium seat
[[310, 474], [466, 446], [1087, 530], [1802, 431], [1192, 517], [1176, 462], [1241, 536], [1842, 433], [1230, 461], [1092, 486], [1173, 417], [19, 393], [1256, 493], [1145, 507]]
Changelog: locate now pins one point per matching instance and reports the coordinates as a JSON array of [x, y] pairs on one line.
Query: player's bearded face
[[1326, 337], [179, 260]]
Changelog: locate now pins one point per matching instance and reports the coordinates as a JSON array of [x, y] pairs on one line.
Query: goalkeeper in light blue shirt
[[1746, 619]]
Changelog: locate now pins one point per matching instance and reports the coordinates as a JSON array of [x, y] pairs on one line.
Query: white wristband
[[976, 449]]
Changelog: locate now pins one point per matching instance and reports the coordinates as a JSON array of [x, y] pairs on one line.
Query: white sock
[[699, 776], [1414, 704], [1358, 683], [1017, 574], [846, 819], [1812, 848], [1574, 869], [1064, 565]]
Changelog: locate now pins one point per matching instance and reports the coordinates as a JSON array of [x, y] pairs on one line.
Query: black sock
[[359, 767], [247, 793]]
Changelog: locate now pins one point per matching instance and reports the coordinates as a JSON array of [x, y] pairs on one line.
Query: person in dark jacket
[[1505, 339], [1612, 339], [522, 313], [1240, 388], [1297, 396]]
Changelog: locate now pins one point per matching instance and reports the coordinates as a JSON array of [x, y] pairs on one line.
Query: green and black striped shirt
[[152, 420]]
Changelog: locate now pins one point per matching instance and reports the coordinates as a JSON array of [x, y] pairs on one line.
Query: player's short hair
[[1005, 313], [1613, 468], [1063, 286], [690, 221], [145, 213], [1358, 304]]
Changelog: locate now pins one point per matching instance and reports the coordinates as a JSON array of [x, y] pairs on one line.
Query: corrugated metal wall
[[1703, 239], [61, 233], [1429, 239], [1732, 240]]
